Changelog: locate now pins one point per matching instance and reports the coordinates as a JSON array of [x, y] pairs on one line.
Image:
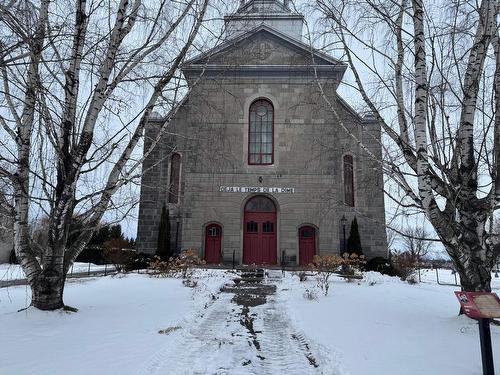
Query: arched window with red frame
[[261, 133], [175, 172], [348, 180]]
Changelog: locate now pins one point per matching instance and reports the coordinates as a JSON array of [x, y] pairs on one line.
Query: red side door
[[259, 239], [213, 241], [307, 245]]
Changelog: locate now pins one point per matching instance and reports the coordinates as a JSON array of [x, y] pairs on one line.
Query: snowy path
[[246, 330]]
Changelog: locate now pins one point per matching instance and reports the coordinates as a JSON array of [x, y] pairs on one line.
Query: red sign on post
[[479, 305], [482, 306]]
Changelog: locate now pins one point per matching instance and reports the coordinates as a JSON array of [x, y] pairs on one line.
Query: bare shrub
[[181, 266], [302, 276], [325, 265], [412, 279], [190, 283], [159, 268], [404, 263], [185, 263], [310, 294], [351, 264], [117, 254]]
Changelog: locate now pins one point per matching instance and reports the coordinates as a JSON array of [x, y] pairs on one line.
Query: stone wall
[[211, 134]]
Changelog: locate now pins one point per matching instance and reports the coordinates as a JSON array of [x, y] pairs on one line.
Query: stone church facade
[[255, 164]]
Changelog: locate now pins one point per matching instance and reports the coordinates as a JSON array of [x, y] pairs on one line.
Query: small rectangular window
[[307, 233], [268, 227], [213, 232], [252, 227]]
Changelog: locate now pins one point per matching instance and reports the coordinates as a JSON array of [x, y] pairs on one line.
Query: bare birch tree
[[79, 82], [430, 73]]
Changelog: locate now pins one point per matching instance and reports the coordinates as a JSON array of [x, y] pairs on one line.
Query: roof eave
[[273, 31]]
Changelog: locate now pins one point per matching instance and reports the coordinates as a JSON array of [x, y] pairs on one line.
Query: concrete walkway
[[246, 330]]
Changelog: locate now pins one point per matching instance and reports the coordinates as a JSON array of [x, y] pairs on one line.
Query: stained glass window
[[349, 180], [261, 133]]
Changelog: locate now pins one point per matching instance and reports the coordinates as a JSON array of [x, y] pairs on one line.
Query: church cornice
[[252, 16], [255, 71], [265, 28]]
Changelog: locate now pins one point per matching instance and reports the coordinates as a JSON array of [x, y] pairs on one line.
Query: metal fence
[[445, 276], [91, 269]]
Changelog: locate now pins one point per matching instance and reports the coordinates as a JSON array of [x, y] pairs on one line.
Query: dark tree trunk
[[479, 282], [47, 290]]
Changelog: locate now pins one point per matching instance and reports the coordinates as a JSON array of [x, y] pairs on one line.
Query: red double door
[[259, 238]]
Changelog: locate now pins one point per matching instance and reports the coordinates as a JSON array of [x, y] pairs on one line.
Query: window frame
[[174, 199], [352, 202], [249, 133]]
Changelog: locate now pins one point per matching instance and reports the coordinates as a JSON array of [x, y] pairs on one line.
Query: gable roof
[[320, 58], [206, 61]]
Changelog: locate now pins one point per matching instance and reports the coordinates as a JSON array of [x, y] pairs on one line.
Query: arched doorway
[[259, 231], [307, 244], [213, 242]]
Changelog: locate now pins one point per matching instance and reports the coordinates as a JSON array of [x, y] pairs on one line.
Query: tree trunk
[[47, 290], [475, 273]]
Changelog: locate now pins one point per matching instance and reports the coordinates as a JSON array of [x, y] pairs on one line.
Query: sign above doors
[[256, 189]]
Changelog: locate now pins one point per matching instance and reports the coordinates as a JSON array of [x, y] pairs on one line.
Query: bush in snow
[[186, 261], [302, 275], [190, 283], [412, 279], [310, 294], [404, 264], [159, 268], [117, 254], [351, 264], [326, 265], [139, 262], [181, 266], [382, 265]]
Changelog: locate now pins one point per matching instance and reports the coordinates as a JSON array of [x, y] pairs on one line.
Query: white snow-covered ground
[[15, 272], [377, 326], [115, 330], [390, 327]]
